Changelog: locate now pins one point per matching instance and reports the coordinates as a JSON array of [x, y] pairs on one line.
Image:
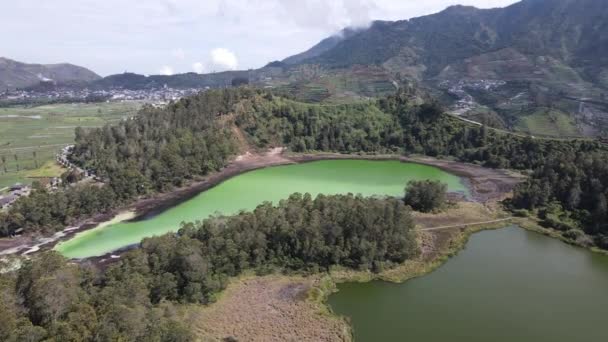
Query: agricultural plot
[[548, 122], [31, 136]]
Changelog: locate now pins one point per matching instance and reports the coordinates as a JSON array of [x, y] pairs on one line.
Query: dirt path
[[31, 147], [465, 225]]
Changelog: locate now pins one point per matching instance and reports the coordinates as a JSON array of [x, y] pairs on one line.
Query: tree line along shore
[[162, 148]]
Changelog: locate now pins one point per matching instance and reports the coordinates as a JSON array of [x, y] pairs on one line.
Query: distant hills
[[539, 66], [573, 33], [15, 74], [547, 54]]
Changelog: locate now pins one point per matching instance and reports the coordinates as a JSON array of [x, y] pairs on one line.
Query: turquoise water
[[246, 191]]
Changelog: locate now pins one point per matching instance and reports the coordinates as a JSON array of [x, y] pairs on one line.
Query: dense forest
[[50, 299], [161, 148], [568, 185], [154, 151]]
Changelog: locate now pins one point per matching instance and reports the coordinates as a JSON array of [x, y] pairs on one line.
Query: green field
[[548, 122], [31, 136]]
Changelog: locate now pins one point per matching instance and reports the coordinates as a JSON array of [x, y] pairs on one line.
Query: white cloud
[[223, 59], [328, 15], [143, 35], [198, 67], [166, 70]]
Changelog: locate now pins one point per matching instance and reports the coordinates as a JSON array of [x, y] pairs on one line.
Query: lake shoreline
[[314, 290], [484, 185]]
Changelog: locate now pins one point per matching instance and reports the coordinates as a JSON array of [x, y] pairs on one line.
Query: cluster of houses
[[84, 174], [14, 192], [459, 89], [63, 160], [52, 183], [155, 95]]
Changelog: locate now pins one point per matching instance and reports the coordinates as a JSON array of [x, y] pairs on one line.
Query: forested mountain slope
[[507, 61], [15, 74]]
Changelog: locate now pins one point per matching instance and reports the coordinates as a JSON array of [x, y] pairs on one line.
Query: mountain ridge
[[506, 61], [15, 74]]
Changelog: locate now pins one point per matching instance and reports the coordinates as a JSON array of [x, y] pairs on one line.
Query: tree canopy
[[132, 300], [426, 195]]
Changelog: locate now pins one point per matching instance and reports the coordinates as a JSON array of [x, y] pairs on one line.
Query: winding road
[[464, 225]]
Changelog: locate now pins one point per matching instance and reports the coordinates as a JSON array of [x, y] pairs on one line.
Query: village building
[[7, 201]]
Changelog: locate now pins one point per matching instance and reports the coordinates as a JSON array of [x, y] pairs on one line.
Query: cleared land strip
[[519, 134], [32, 147], [466, 224]]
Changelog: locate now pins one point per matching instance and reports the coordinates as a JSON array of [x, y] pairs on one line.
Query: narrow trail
[[466, 224], [32, 147], [517, 134]]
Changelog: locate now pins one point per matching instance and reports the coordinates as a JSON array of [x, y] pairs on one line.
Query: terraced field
[[548, 122], [31, 136]]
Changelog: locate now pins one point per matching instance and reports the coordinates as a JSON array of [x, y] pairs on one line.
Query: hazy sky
[[175, 36]]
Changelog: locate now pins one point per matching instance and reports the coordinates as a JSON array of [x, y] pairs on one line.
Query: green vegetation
[[136, 156], [161, 148], [548, 122], [49, 299], [395, 124], [248, 190], [31, 136], [128, 301], [15, 74], [426, 195]]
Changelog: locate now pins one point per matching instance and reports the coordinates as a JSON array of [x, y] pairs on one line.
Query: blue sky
[[175, 36]]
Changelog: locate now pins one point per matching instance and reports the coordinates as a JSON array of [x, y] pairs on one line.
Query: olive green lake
[[507, 285], [246, 191]]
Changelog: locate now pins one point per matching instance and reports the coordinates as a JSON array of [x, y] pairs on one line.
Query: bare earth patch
[[267, 309]]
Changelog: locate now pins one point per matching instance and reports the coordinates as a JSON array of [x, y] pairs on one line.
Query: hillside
[[322, 47], [538, 66], [573, 32], [15, 74], [509, 61]]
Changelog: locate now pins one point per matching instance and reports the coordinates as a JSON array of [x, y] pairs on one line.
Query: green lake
[[507, 285], [246, 191]]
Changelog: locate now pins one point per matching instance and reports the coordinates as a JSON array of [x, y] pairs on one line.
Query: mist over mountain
[[505, 63], [574, 32]]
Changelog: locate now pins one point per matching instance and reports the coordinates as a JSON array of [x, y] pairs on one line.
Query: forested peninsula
[[133, 299]]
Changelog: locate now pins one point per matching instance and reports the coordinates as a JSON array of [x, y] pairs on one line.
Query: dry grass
[[461, 213], [270, 308], [49, 169]]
